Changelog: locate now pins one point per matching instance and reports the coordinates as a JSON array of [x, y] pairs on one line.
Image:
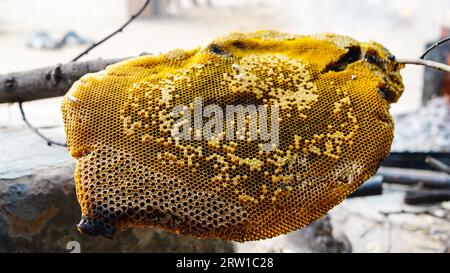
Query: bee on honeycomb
[[333, 94]]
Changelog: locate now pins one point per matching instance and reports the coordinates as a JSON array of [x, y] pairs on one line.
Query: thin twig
[[428, 63], [434, 46], [134, 16], [36, 131]]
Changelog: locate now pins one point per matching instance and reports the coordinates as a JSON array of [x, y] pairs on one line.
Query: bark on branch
[[47, 82]]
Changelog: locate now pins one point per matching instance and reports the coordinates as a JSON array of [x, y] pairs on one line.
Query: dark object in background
[[43, 40], [435, 82], [419, 169], [416, 197], [373, 186], [414, 160], [429, 179]]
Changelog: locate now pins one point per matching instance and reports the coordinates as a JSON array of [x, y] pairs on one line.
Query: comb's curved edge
[[340, 41], [151, 61]]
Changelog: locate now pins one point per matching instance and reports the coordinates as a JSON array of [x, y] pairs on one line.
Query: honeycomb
[[333, 94]]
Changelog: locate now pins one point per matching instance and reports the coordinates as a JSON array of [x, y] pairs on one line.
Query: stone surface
[[316, 237], [320, 237], [39, 213], [384, 223]]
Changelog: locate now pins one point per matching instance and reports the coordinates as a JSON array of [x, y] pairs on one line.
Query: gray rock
[[319, 235], [39, 213]]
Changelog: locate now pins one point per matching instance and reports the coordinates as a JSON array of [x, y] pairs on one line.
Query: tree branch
[[47, 82], [428, 63]]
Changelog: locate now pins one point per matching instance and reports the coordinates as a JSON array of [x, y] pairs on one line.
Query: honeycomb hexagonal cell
[[333, 95]]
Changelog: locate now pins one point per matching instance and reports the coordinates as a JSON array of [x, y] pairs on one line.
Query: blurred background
[[35, 179]]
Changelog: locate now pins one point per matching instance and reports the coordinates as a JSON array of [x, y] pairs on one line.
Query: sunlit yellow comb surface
[[333, 95]]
